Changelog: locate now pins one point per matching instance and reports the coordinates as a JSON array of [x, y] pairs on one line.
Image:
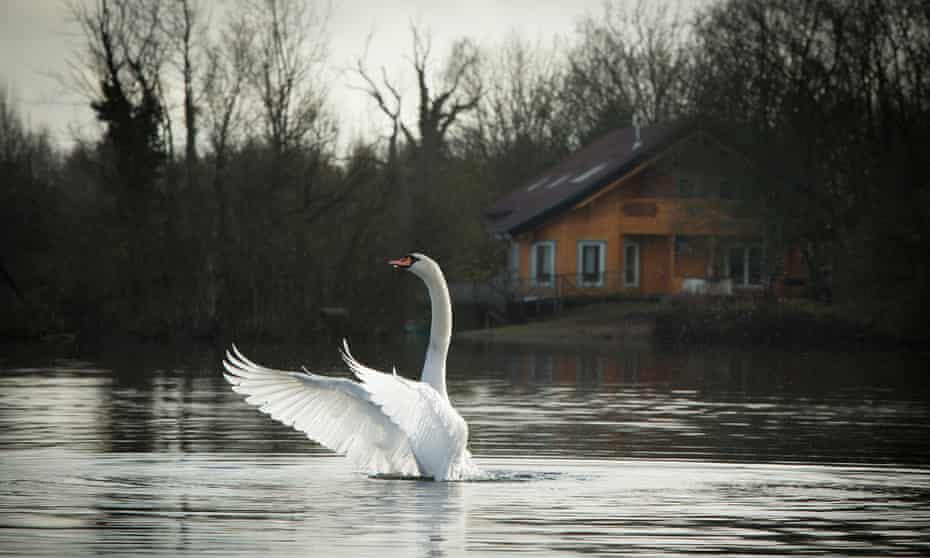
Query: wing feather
[[436, 432], [336, 412]]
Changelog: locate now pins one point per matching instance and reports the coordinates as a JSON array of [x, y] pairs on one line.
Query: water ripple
[[645, 455]]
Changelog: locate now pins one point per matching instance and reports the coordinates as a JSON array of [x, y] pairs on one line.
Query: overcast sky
[[37, 40]]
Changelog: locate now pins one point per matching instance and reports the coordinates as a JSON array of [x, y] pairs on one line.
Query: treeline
[[218, 201], [834, 98]]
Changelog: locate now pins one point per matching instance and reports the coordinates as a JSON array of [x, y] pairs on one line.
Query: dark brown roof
[[581, 174]]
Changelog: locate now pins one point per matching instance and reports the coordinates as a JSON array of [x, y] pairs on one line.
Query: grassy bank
[[594, 324], [702, 321]]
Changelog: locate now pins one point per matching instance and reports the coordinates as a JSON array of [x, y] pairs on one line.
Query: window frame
[[744, 281], [534, 279], [627, 242], [601, 245]]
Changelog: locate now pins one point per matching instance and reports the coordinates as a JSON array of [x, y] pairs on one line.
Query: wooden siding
[[692, 256], [645, 205], [654, 273], [655, 222]]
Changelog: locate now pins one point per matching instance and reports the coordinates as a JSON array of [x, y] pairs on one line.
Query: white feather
[[336, 412], [435, 430], [384, 422]]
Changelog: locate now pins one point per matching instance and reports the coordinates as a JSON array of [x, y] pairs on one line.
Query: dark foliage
[[265, 230]]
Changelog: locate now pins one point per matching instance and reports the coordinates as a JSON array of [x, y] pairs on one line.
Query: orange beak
[[402, 263]]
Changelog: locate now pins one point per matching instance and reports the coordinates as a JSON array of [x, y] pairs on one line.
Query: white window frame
[[627, 242], [534, 281], [601, 245], [743, 282]]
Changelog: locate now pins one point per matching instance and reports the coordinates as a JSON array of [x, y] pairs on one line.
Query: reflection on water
[[723, 405], [614, 452]]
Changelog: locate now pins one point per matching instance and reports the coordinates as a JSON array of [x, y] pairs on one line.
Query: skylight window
[[558, 181], [537, 184], [589, 173]]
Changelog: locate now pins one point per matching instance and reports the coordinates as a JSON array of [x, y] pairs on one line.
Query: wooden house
[[665, 209]]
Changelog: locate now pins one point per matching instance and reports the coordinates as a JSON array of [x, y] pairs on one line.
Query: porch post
[[671, 263], [621, 272], [711, 270]]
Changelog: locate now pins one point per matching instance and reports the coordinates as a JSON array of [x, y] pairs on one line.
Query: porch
[[638, 264]]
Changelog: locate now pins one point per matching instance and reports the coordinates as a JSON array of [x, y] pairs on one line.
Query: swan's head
[[418, 264]]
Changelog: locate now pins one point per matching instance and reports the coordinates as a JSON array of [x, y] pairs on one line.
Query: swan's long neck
[[440, 331]]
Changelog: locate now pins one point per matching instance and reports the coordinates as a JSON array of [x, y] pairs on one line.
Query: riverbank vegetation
[[218, 198]]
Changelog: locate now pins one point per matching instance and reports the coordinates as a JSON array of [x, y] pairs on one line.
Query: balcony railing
[[568, 285], [575, 285], [505, 289]]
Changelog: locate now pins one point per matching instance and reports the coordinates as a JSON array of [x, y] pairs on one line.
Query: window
[[737, 264], [683, 247], [543, 264], [754, 265], [591, 255], [744, 265], [630, 263]]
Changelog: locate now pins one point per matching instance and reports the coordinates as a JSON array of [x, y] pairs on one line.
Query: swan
[[385, 423]]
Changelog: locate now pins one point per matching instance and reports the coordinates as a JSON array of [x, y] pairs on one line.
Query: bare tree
[[459, 91], [228, 68], [443, 98], [390, 102], [27, 161], [290, 47], [631, 60], [122, 67], [183, 24], [121, 70], [521, 125]]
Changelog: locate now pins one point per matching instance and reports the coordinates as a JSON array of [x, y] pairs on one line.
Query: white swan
[[386, 423]]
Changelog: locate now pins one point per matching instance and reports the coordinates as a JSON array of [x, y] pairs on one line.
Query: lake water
[[146, 450]]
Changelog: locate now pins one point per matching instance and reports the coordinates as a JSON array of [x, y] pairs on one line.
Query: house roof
[[583, 173]]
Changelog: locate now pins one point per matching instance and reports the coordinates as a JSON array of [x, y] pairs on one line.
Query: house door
[[646, 264], [655, 267]]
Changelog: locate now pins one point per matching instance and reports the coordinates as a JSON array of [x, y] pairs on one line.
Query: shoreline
[[677, 322], [593, 325], [689, 322]]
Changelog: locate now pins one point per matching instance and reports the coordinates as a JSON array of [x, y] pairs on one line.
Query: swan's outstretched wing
[[436, 432], [336, 412]]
